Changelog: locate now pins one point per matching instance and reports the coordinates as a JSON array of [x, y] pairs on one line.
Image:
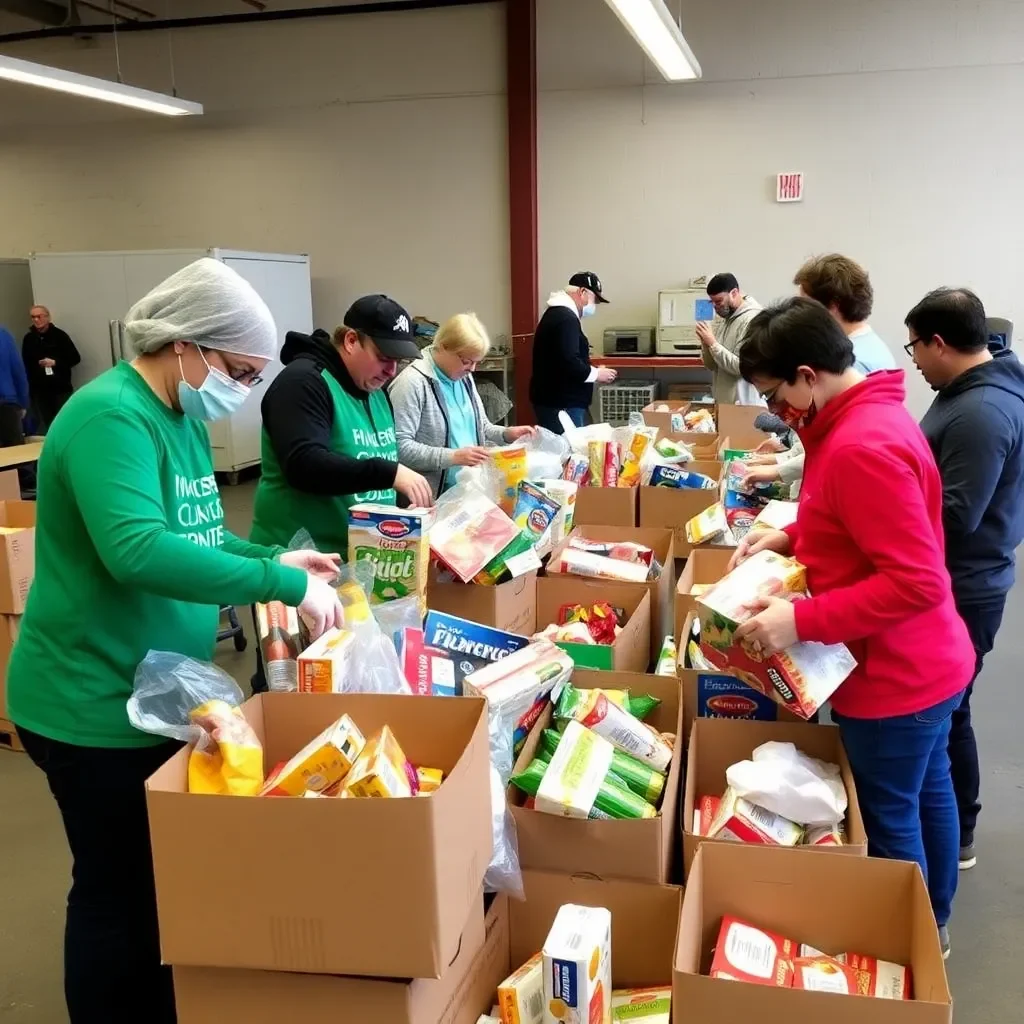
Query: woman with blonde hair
[[439, 419]]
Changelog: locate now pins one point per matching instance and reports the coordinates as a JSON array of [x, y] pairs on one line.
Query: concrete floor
[[984, 969]]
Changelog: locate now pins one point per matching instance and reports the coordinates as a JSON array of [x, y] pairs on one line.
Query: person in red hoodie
[[869, 532]]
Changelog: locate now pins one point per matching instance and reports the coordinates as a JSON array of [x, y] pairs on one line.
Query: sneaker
[[967, 857], [944, 941]]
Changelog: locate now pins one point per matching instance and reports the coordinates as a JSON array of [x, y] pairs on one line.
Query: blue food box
[[725, 696], [470, 644]]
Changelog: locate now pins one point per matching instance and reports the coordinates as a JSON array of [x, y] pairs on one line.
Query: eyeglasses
[[248, 378], [912, 344]]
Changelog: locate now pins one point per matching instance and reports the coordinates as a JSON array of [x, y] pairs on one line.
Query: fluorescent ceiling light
[[651, 25], [29, 73]]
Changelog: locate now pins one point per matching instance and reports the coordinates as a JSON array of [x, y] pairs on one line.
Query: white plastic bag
[[781, 779]]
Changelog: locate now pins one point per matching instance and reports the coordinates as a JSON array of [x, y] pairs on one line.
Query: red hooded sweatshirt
[[870, 534]]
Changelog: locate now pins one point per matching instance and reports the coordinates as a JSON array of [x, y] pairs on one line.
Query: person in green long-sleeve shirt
[[132, 555]]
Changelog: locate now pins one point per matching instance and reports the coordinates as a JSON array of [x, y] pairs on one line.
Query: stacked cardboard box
[[17, 570]]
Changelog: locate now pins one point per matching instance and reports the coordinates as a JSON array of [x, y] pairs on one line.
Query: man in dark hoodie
[[328, 430], [975, 427]]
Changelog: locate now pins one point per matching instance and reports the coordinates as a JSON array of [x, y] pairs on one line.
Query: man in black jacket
[[975, 427], [562, 376], [48, 354]]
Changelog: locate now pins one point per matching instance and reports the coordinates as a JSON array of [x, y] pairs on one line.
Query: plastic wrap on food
[[469, 531]]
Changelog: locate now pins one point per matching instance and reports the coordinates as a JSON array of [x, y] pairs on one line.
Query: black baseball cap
[[588, 279], [387, 323]]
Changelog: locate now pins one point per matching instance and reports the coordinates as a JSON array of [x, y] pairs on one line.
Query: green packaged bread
[[636, 776], [639, 707], [612, 801]]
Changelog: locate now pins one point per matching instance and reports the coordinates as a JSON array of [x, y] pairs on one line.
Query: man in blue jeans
[[562, 377], [975, 427]]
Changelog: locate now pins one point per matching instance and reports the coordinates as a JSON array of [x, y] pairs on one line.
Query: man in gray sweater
[[720, 349]]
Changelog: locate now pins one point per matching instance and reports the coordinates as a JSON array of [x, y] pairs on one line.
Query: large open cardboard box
[[373, 887], [703, 565], [606, 506], [738, 420], [640, 849], [17, 554], [717, 743], [662, 543], [510, 606], [631, 651], [874, 907], [671, 507], [9, 626]]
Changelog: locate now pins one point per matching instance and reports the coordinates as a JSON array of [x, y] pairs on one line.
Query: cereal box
[[824, 974], [323, 664], [641, 1005], [321, 763], [709, 525], [521, 994], [744, 822], [746, 953], [578, 967], [381, 770], [394, 542], [879, 978], [705, 813]]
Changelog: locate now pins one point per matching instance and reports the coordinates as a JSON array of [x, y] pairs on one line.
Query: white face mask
[[216, 398]]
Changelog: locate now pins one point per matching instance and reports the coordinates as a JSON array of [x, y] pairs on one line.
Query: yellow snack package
[[711, 524], [521, 994], [511, 466], [229, 758], [380, 770], [323, 664], [321, 763], [642, 439], [429, 779]]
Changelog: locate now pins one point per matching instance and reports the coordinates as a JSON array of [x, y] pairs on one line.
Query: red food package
[[825, 974], [746, 953], [611, 465], [623, 551], [601, 619], [879, 978]]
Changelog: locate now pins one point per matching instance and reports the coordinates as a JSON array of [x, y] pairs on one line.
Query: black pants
[[982, 620], [46, 405], [112, 970], [547, 416], [12, 432]]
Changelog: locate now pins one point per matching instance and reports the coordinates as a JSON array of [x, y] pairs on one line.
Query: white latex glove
[[321, 607]]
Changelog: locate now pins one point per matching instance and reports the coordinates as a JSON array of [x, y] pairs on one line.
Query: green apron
[[280, 510]]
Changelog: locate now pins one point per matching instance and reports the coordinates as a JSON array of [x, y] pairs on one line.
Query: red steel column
[[521, 77]]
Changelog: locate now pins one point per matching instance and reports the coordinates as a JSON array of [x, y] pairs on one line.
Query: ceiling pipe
[[216, 20], [46, 12]]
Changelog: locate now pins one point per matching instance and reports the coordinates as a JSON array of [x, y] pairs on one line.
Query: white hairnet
[[206, 302]]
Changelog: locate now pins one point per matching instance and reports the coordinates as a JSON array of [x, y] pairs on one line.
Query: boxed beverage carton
[[17, 554], [578, 965], [419, 863], [703, 567], [606, 506], [669, 508], [635, 848], [874, 905], [718, 743], [320, 764], [394, 541], [510, 606], [323, 665]]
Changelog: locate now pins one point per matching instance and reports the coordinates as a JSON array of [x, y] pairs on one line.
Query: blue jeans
[[547, 416], [901, 768]]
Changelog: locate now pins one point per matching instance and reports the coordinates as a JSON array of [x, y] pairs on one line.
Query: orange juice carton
[[322, 665], [381, 769], [743, 822], [746, 953], [320, 764], [642, 1005], [429, 780], [825, 974], [578, 966], [704, 814], [521, 994], [879, 978]]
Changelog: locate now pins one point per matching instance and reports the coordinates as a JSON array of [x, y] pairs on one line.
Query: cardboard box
[[662, 543], [606, 506], [17, 554], [10, 485], [703, 565], [510, 606], [372, 887], [865, 905], [639, 849], [210, 995], [671, 507], [738, 420], [739, 441], [631, 651], [9, 625], [717, 743]]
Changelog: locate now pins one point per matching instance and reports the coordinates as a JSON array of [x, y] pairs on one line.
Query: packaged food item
[[601, 620], [642, 1005], [709, 525], [737, 474], [743, 822], [670, 476], [636, 776], [824, 835], [527, 722], [746, 953], [578, 966], [394, 541], [518, 557], [323, 664], [381, 770], [700, 421], [489, 1018], [823, 974], [880, 978], [534, 510], [583, 563], [621, 551], [570, 633], [641, 439], [705, 813], [610, 477], [321, 763], [278, 628], [564, 492], [470, 645], [669, 449], [429, 780], [667, 657], [521, 994], [597, 452], [570, 783], [510, 463], [594, 710], [230, 760], [776, 515], [430, 672], [741, 522], [577, 469], [469, 530]]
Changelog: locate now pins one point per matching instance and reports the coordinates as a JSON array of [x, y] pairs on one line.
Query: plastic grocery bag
[[196, 702], [782, 779]]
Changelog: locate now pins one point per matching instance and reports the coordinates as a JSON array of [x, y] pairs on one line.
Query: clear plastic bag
[[394, 617]]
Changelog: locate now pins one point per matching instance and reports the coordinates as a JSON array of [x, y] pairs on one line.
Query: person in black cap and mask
[[328, 430], [562, 376]]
